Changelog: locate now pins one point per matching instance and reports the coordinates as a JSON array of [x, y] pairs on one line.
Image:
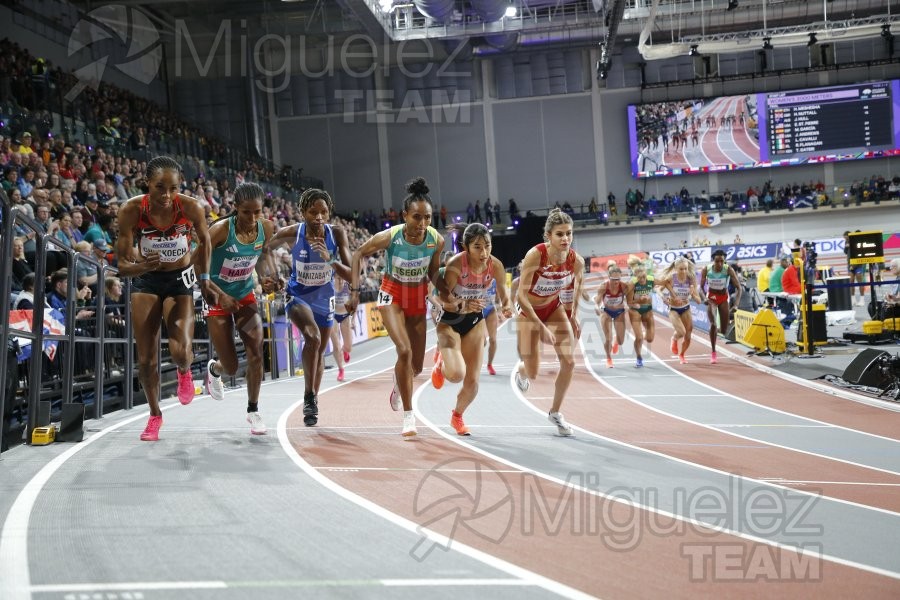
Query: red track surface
[[656, 565]]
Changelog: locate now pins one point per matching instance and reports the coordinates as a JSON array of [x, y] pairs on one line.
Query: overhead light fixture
[[732, 4], [812, 40], [511, 10], [767, 44], [694, 51]]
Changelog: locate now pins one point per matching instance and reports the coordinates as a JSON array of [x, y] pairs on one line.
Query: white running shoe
[[409, 424], [395, 399], [521, 382], [561, 426], [214, 386], [257, 427]]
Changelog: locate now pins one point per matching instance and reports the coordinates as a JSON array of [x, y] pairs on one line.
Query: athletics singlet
[[232, 264], [171, 243], [550, 280]]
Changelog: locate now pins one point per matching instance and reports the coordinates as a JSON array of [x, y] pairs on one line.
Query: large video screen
[[775, 129]]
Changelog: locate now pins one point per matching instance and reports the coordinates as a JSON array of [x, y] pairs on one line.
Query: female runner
[[716, 277], [679, 280], [640, 309], [611, 300]]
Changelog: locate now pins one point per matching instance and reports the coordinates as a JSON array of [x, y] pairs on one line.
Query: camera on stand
[[890, 371]]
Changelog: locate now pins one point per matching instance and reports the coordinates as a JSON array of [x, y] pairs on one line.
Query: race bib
[[567, 296], [237, 269], [717, 284], [312, 274], [384, 299], [331, 304], [169, 249], [546, 286], [409, 270], [189, 277]]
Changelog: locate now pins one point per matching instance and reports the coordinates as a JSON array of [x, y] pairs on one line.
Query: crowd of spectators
[[122, 121]]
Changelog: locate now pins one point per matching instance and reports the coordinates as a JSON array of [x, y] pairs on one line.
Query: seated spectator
[[20, 267], [57, 296], [25, 299]]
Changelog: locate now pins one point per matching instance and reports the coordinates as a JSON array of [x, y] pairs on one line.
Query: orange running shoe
[[456, 421], [615, 347], [674, 346], [437, 375], [682, 359], [609, 363]]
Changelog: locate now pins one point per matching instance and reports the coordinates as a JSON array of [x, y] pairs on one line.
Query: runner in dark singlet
[[154, 248]]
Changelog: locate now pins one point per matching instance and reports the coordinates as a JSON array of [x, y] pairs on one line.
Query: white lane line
[[429, 538], [146, 586], [416, 469], [724, 432], [768, 409], [131, 586], [677, 395], [772, 425], [452, 582], [626, 502], [15, 575], [657, 443], [825, 389], [865, 483]]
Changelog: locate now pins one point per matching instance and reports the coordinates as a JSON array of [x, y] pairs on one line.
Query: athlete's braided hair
[[161, 163], [247, 191], [311, 195], [417, 191]]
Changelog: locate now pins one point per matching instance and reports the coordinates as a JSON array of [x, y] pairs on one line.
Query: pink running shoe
[[674, 346], [615, 347], [151, 431], [340, 376], [491, 369], [713, 358], [682, 359], [185, 387], [346, 356]]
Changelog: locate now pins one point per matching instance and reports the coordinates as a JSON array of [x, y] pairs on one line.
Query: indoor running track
[[683, 481]]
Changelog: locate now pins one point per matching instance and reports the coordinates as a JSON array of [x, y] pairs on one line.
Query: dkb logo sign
[[115, 24]]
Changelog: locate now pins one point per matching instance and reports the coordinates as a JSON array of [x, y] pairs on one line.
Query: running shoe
[[409, 424], [437, 374], [562, 427], [456, 421], [310, 409], [185, 387], [395, 400], [346, 356], [674, 346], [490, 369], [521, 382], [713, 358], [257, 427], [151, 431], [639, 362], [340, 376], [682, 359], [609, 363], [214, 385], [615, 347]]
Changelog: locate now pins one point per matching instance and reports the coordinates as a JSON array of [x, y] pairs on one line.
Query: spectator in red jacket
[[790, 280]]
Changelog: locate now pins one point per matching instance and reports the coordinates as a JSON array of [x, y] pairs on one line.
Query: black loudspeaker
[[71, 429], [865, 369]]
